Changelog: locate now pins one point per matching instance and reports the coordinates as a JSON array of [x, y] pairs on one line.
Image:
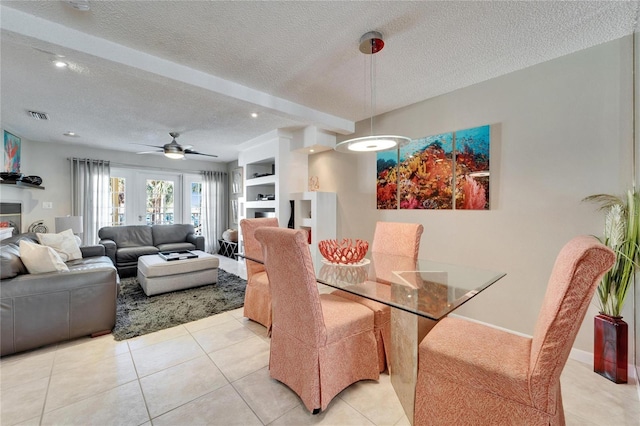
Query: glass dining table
[[420, 292]]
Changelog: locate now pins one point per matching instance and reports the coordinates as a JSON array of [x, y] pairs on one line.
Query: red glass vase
[[610, 348]]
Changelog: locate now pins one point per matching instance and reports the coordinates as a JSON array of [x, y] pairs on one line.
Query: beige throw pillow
[[39, 259], [64, 243]]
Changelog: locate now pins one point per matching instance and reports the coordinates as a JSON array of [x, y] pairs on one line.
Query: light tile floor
[[214, 371]]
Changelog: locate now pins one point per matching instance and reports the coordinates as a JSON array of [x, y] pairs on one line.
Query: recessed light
[[312, 150], [61, 64], [70, 134], [254, 114], [82, 5]]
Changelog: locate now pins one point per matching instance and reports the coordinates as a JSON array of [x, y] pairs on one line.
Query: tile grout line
[[135, 368]]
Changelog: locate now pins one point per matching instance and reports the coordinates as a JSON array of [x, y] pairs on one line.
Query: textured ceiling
[[139, 69]]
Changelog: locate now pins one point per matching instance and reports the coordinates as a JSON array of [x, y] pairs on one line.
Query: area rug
[[139, 314]]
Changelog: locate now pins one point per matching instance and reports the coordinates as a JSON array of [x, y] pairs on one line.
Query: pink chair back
[[294, 291], [402, 239], [252, 247], [579, 268]]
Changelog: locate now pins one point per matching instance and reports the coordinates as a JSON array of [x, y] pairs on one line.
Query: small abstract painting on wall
[[11, 153], [445, 171]]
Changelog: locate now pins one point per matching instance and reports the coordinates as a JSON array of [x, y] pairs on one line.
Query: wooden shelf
[[19, 184]]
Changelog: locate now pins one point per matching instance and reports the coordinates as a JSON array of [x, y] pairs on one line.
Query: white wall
[[561, 131], [50, 162]]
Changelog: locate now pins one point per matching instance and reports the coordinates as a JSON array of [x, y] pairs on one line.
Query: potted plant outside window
[[621, 234]]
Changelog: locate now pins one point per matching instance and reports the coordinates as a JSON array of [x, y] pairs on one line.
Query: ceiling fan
[[174, 150]]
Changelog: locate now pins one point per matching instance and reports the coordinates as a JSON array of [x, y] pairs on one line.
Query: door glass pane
[[196, 206], [160, 206], [116, 201]]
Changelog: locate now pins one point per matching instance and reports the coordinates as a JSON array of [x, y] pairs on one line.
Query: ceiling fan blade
[[153, 146], [190, 151], [150, 152]]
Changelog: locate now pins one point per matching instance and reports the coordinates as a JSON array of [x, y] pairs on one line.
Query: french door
[[148, 197]]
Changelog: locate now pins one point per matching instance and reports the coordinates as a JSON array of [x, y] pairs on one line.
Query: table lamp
[[70, 222]]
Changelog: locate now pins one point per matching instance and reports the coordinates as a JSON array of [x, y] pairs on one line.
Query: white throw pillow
[[64, 243], [39, 259]]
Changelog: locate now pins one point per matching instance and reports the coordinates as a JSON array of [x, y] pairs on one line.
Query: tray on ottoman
[[177, 255]]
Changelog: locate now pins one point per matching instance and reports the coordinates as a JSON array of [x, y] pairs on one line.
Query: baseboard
[[575, 354]]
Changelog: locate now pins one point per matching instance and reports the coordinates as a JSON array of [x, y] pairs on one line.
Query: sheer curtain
[[214, 208], [90, 195]]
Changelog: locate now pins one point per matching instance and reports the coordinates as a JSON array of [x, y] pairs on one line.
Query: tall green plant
[[621, 234]]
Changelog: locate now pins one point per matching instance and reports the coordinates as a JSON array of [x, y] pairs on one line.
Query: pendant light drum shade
[[370, 44]]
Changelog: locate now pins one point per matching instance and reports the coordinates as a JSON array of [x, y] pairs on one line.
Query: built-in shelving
[[260, 182], [315, 212], [19, 184]]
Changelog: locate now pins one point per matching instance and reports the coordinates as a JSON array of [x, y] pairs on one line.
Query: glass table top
[[423, 287]]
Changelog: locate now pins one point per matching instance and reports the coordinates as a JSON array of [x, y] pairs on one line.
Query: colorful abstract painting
[[421, 175], [11, 153], [387, 177], [472, 168]]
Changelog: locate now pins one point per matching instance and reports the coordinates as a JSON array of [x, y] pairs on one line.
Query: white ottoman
[[157, 275]]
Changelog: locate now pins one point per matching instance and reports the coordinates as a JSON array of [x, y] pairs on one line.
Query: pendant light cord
[[372, 86]]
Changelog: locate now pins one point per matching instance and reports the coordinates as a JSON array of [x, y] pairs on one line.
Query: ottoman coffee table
[[157, 275]]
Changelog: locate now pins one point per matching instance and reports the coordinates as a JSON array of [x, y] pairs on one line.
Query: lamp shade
[[69, 222]]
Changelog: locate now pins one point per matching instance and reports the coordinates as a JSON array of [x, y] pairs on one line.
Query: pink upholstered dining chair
[[389, 238], [320, 343], [257, 296], [470, 373]]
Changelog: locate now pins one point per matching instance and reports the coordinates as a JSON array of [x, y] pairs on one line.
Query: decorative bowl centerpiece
[[344, 252]]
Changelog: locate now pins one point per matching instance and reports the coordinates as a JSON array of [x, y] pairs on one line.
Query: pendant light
[[370, 44]]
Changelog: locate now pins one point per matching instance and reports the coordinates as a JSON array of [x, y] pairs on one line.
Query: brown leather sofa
[[41, 309]]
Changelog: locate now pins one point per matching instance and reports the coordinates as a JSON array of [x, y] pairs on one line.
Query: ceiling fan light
[[174, 155], [372, 143]]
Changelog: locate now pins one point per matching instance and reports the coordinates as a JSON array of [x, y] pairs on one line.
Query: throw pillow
[[39, 259], [64, 243]]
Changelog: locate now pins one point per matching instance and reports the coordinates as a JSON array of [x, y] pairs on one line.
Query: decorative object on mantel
[[32, 180], [12, 146], [344, 252], [11, 176], [622, 235], [38, 226], [370, 44]]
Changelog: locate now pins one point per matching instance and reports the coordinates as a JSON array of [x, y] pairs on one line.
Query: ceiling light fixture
[[70, 134], [370, 44], [60, 64], [254, 114], [173, 152]]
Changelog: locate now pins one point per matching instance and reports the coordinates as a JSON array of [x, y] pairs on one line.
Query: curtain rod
[[131, 166]]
